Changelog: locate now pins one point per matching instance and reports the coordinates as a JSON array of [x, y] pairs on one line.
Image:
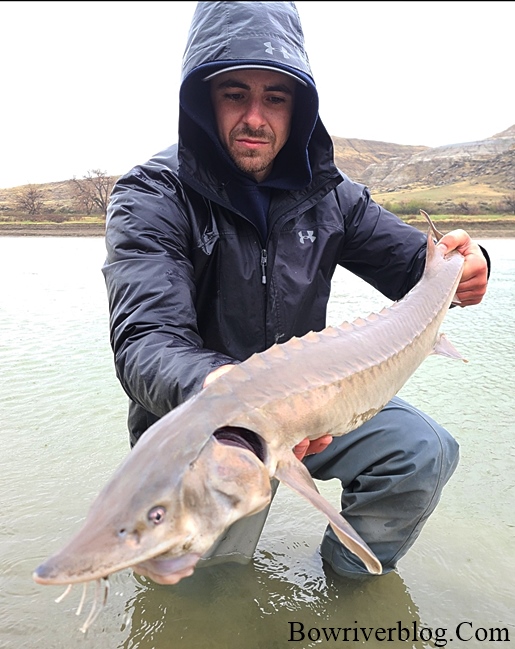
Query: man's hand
[[310, 447], [472, 286]]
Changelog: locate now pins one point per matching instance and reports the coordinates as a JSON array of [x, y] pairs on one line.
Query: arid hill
[[355, 156], [490, 162], [480, 173]]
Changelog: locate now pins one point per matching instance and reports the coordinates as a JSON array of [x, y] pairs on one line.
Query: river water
[[63, 433]]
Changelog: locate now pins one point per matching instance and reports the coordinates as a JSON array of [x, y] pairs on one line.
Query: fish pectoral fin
[[444, 347], [295, 476]]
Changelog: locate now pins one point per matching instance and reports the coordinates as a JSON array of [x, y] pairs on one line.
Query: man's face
[[253, 110]]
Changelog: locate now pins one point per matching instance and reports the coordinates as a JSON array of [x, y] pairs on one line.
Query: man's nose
[[254, 115]]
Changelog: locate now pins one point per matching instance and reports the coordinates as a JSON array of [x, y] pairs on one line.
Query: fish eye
[[156, 515]]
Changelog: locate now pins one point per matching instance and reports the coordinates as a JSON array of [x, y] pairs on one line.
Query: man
[[226, 243]]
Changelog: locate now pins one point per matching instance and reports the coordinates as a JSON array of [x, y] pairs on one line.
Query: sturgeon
[[181, 487]]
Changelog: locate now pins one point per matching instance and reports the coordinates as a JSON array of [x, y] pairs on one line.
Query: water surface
[[63, 433]]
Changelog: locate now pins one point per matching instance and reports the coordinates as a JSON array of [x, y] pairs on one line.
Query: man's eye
[[276, 100], [233, 96]]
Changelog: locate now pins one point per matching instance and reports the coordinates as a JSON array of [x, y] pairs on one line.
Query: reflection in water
[[269, 605]]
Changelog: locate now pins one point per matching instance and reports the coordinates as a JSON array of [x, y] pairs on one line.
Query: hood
[[225, 33], [228, 34]]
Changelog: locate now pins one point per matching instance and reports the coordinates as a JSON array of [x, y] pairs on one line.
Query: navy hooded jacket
[[194, 280]]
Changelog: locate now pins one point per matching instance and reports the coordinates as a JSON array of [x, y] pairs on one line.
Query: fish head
[[159, 517]]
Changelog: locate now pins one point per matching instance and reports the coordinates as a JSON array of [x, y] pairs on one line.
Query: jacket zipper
[[263, 265]]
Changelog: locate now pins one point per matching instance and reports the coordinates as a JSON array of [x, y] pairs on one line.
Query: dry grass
[[472, 192]]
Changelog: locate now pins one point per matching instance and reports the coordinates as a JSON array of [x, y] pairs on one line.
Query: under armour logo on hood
[[270, 49]]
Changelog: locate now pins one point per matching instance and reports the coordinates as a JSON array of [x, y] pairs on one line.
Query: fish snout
[[43, 574]]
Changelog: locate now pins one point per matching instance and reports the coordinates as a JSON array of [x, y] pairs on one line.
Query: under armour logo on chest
[[308, 236]]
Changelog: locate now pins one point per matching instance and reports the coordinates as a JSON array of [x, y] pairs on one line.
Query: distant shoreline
[[500, 228], [479, 229], [52, 230]]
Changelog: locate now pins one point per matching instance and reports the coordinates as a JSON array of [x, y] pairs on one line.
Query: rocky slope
[[355, 156], [491, 161]]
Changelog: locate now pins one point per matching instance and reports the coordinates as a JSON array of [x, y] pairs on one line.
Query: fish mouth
[[168, 571]]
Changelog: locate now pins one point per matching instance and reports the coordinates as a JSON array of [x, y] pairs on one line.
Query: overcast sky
[[94, 85]]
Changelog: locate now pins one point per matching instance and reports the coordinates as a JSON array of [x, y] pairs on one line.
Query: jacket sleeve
[[159, 355], [379, 247]]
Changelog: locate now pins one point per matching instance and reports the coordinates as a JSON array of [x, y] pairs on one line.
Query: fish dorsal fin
[[294, 475], [437, 234]]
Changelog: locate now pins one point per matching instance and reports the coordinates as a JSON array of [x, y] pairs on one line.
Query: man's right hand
[[310, 447]]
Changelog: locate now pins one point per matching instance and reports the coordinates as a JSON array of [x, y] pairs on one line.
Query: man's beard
[[251, 161]]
